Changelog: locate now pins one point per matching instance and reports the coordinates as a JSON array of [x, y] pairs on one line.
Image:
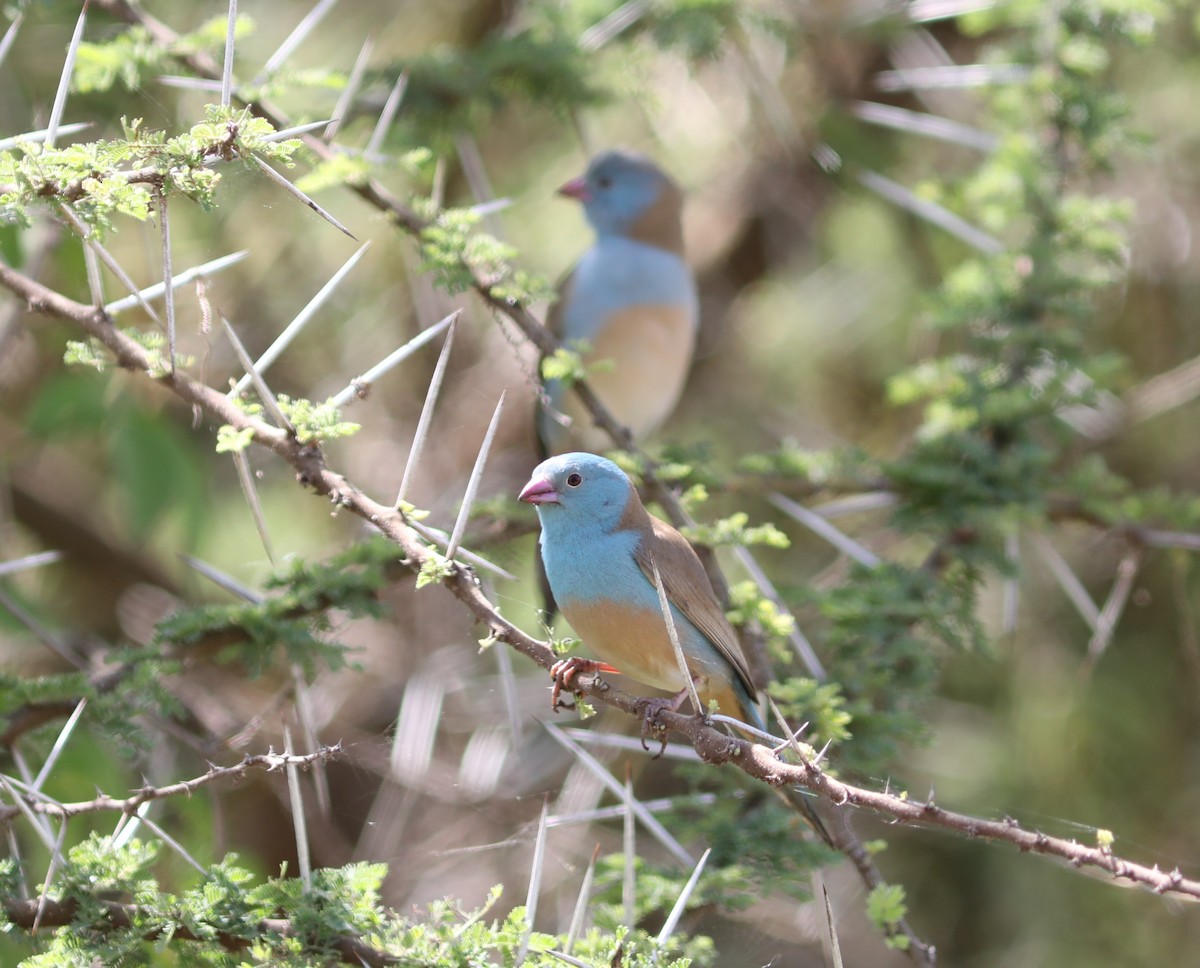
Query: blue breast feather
[[617, 273], [601, 567]]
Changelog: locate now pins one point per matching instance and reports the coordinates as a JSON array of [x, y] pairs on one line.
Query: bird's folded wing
[[689, 590]]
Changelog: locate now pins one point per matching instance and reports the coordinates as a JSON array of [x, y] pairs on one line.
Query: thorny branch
[[270, 762], [714, 746], [375, 194]]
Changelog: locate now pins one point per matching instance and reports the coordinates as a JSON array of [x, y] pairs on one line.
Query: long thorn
[[34, 820], [301, 31], [422, 431], [222, 580], [227, 66], [10, 35], [254, 375], [581, 903], [85, 233], [664, 605], [800, 643], [178, 280], [298, 819], [360, 385], [284, 339], [37, 137], [685, 895], [439, 537], [27, 562], [242, 464], [387, 116], [353, 82], [821, 527], [628, 852], [932, 212], [1114, 605], [616, 23], [168, 288], [64, 81], [56, 858], [535, 882], [295, 131], [44, 635], [1067, 580], [835, 949], [291, 189], [951, 77], [304, 715], [174, 844], [464, 512], [926, 125], [60, 744], [648, 820]]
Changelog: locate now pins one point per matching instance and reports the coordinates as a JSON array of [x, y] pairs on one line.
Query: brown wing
[[689, 590]]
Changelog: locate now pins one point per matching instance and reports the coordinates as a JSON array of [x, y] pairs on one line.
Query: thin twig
[[103, 803]]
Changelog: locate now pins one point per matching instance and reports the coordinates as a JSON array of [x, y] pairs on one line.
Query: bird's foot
[[564, 670], [649, 710]]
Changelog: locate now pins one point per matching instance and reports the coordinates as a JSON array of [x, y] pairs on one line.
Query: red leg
[[564, 670]]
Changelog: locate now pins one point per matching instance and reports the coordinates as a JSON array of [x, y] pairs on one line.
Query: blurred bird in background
[[631, 298]]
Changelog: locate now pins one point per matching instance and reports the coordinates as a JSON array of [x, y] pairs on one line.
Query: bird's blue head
[[620, 189], [578, 491]]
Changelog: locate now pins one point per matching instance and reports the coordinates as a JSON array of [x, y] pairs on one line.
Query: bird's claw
[[649, 710], [564, 670]]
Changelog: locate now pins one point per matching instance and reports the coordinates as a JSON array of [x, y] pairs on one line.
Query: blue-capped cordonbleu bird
[[600, 547], [631, 297]]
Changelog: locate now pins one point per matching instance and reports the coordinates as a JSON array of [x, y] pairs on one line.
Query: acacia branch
[[268, 762], [74, 190], [714, 746], [48, 912]]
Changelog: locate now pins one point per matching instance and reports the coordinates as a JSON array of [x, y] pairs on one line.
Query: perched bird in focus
[[631, 297], [600, 547]]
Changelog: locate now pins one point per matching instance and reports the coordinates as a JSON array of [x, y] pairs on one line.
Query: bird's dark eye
[[603, 181], [574, 480]]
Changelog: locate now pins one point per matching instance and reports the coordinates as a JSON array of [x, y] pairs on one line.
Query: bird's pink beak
[[576, 188], [538, 491]]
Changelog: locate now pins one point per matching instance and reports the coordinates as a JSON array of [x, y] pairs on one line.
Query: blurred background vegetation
[[821, 286]]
